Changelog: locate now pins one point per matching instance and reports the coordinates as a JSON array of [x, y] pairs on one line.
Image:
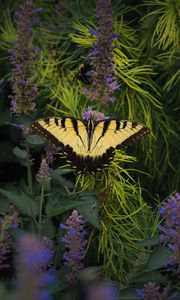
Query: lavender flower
[[171, 228], [152, 292], [51, 151], [93, 114], [149, 292], [47, 244], [7, 221], [24, 58], [74, 242], [103, 75], [33, 275], [92, 32], [43, 174]]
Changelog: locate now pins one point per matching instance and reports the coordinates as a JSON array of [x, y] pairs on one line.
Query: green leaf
[[155, 240], [90, 209], [57, 206], [128, 294], [61, 283], [158, 259], [4, 204], [24, 202], [25, 120], [61, 171], [48, 229], [5, 294], [87, 274], [6, 148], [59, 179], [5, 118], [35, 140], [21, 155], [148, 277], [70, 294]]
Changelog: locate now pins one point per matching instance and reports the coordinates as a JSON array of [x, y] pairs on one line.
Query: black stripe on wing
[[45, 133], [90, 164], [133, 138]]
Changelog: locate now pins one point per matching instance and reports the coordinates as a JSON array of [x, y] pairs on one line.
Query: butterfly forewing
[[63, 132], [116, 134]]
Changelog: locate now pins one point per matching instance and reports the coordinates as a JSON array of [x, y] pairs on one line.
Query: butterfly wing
[[112, 134], [68, 134], [86, 150]]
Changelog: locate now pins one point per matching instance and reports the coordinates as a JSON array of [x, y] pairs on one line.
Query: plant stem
[[40, 210], [29, 171]]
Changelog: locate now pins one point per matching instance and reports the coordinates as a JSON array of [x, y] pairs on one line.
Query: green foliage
[[166, 32], [7, 32], [23, 201], [118, 204], [65, 99], [125, 218], [157, 259]]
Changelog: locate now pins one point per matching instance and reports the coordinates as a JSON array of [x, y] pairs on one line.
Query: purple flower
[[7, 221], [38, 10], [47, 244], [62, 226], [89, 113], [103, 77], [170, 230], [75, 243], [51, 152], [151, 291], [33, 273], [37, 49], [18, 126], [43, 174], [140, 293], [162, 211], [92, 32], [24, 58]]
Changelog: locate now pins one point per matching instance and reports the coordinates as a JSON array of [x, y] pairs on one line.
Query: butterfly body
[[89, 145]]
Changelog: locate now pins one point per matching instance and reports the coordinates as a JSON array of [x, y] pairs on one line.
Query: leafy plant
[[120, 204]]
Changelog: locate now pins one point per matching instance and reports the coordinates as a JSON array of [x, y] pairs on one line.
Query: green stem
[[40, 210], [29, 170]]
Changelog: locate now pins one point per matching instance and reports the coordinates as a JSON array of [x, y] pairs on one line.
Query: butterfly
[[89, 145]]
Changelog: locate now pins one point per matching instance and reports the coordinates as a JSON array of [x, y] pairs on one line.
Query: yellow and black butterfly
[[89, 145]]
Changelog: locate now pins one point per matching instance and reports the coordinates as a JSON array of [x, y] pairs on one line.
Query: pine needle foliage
[[125, 218], [7, 31], [166, 32]]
